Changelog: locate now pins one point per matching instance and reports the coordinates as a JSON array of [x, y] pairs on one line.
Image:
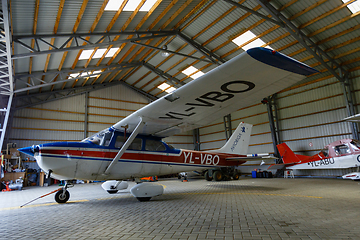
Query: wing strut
[[125, 146]]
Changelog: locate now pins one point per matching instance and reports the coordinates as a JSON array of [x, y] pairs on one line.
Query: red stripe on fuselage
[[185, 156]]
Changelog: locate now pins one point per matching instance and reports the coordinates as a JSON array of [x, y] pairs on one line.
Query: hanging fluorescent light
[[164, 53]]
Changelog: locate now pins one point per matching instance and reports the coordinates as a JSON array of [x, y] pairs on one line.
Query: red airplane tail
[[289, 156]]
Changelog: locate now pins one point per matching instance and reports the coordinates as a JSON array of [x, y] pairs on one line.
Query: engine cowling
[[145, 191], [114, 186]]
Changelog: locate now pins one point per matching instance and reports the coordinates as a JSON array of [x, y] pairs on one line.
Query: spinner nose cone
[[29, 150]]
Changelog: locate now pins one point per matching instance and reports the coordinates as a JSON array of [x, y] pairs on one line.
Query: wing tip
[[279, 60]]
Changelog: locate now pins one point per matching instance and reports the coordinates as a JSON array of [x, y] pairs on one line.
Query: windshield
[[101, 138], [325, 151], [355, 144]]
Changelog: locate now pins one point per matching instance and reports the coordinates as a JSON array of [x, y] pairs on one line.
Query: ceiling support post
[[196, 139], [274, 128], [86, 116], [350, 103], [227, 126]]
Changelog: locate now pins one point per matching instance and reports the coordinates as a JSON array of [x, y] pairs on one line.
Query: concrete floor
[[245, 209]]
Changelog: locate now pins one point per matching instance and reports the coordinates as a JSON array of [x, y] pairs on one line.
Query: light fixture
[[165, 53]]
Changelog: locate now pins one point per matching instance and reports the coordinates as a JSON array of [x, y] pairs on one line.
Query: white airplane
[[108, 155], [344, 153]]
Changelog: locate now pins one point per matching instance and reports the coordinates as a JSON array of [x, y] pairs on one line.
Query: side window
[[119, 141], [153, 145], [342, 149], [135, 145]]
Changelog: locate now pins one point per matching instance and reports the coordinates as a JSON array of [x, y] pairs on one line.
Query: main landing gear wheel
[[62, 196], [217, 176], [207, 177], [236, 176]]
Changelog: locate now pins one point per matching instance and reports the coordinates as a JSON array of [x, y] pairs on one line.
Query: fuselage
[[146, 156]]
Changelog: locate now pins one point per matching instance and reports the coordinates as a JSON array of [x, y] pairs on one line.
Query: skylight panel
[[256, 43], [170, 90], [131, 5], [190, 70], [111, 52], [86, 54], [96, 72], [163, 86], [247, 36], [243, 38], [113, 5], [353, 7], [99, 53], [78, 75], [196, 75], [166, 87], [147, 5]]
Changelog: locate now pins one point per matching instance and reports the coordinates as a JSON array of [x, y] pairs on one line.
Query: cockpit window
[[119, 141], [153, 145], [136, 144], [342, 149], [101, 138], [325, 152], [355, 144]]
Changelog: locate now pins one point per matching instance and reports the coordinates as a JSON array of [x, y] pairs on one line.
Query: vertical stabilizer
[[239, 140], [287, 155]]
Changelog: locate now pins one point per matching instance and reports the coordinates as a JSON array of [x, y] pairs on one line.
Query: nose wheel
[[63, 195]]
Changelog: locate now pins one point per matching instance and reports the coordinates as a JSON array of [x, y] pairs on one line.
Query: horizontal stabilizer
[[253, 157]]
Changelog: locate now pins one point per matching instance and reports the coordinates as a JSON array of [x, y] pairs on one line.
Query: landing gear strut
[[63, 195]]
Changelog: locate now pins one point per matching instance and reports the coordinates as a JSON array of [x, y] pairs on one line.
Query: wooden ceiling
[[48, 38]]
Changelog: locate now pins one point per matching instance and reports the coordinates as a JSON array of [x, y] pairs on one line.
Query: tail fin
[[287, 155], [239, 140]]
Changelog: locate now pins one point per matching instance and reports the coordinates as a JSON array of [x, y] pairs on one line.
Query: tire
[[207, 177], [217, 175], [62, 197], [236, 176], [112, 191]]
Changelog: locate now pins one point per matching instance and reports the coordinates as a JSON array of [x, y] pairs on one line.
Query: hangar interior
[[72, 68]]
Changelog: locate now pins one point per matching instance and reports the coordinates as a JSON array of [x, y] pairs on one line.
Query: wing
[[354, 118], [240, 82]]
